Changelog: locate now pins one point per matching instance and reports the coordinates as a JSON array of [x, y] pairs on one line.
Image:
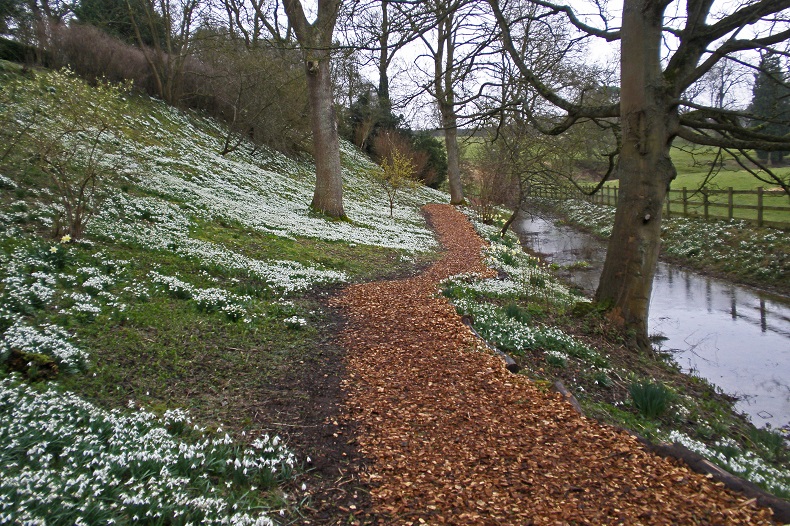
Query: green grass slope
[[196, 287]]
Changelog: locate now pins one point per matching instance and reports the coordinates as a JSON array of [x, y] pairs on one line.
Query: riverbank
[[733, 250], [553, 332]]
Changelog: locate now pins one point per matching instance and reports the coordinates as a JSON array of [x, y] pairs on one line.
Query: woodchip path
[[452, 437]]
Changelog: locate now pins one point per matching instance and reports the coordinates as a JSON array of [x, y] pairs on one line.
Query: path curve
[[452, 437]]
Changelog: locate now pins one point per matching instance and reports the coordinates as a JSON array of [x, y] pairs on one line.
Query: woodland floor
[[432, 429]]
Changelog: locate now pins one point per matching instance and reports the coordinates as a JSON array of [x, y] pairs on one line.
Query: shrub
[[397, 165], [259, 93], [69, 139], [651, 399], [434, 171]]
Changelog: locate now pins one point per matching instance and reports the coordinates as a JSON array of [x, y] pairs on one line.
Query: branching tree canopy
[[458, 54], [666, 48]]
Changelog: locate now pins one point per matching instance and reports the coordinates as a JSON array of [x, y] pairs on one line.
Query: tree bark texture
[[649, 123], [444, 64], [328, 194], [450, 126], [384, 60], [316, 42]]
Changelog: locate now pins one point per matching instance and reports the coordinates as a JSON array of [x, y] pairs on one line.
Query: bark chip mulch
[[452, 437]]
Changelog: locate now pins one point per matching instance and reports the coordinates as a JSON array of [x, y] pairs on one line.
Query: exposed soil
[[450, 436]]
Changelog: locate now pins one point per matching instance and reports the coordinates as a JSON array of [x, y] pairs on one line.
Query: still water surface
[[736, 337]]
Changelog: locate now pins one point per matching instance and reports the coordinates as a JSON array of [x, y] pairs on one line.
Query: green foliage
[[13, 50], [395, 174], [35, 367], [602, 379], [514, 311], [651, 399], [771, 442], [434, 172], [771, 103], [556, 360]]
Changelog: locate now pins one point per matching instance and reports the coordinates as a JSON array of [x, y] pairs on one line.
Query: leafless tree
[[171, 47], [456, 36], [257, 21], [663, 54]]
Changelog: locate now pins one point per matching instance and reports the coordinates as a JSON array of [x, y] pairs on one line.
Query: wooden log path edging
[[451, 437]]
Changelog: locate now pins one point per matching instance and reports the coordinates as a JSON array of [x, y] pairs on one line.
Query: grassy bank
[[693, 165], [177, 363], [186, 328], [735, 249]]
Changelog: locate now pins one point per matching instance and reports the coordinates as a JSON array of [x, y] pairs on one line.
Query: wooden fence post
[[669, 203], [705, 202], [759, 206], [685, 203], [729, 203]]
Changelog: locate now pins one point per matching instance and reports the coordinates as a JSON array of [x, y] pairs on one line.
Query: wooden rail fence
[[749, 205]]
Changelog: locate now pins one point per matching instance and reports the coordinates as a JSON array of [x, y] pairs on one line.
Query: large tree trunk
[[316, 42], [449, 123], [384, 61], [444, 64], [645, 169], [328, 195]]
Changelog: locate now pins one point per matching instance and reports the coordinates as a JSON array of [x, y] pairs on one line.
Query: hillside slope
[[194, 287]]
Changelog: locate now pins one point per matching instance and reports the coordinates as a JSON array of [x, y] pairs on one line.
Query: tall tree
[[256, 21], [10, 13], [444, 91], [662, 56], [455, 51], [113, 17], [771, 103], [315, 40], [30, 22]]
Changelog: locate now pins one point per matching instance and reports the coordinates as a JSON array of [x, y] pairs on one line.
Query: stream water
[[736, 337]]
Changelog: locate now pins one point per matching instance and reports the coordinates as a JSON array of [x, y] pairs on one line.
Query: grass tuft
[[651, 399]]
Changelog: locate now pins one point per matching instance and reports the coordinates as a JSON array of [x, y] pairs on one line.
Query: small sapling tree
[[71, 141], [397, 166]]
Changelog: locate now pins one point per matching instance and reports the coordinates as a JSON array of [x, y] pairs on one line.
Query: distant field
[[693, 167]]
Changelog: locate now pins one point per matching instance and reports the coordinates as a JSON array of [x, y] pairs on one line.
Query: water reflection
[[736, 337]]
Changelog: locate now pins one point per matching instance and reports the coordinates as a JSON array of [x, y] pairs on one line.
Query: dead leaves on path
[[454, 438]]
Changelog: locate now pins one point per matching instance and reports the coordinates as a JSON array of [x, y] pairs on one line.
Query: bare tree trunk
[[316, 41], [645, 168], [328, 194], [450, 126], [444, 64], [384, 60]]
